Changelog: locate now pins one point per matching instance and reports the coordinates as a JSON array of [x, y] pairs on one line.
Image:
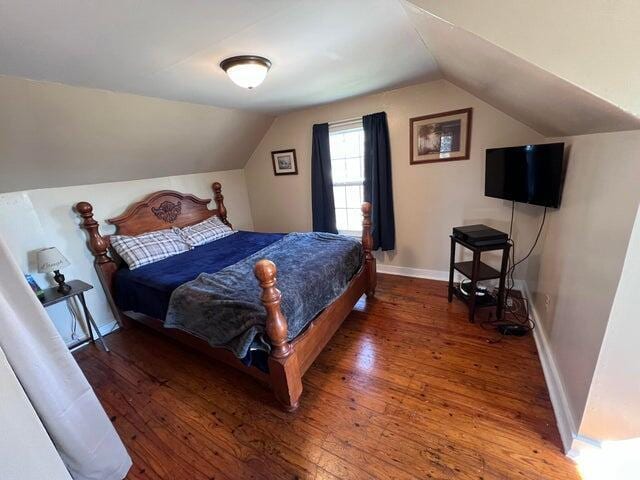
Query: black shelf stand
[[477, 271]]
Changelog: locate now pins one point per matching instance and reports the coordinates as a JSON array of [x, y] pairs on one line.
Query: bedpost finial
[[84, 208], [265, 271], [219, 199], [97, 243], [277, 329]]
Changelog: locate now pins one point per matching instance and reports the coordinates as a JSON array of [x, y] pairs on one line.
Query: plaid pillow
[[205, 232], [148, 247]]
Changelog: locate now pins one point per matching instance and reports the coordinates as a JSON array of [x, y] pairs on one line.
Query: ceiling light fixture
[[247, 71]]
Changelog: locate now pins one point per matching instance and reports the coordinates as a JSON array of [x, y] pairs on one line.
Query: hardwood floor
[[406, 389]]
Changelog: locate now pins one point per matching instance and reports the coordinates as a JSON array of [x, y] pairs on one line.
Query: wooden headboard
[[166, 209], [157, 211]]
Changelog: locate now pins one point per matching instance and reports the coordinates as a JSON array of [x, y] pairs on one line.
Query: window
[[346, 141]]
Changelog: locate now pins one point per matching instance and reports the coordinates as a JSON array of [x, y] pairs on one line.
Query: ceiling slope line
[[544, 101], [403, 6]]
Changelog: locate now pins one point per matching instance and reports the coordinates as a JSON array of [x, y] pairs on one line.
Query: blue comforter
[[224, 308], [148, 289]]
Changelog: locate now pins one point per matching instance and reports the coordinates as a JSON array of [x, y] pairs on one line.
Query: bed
[[287, 357]]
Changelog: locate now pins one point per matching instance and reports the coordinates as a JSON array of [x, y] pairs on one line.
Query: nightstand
[[78, 287]]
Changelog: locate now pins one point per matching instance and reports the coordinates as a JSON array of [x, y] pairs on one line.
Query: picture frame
[[440, 137], [284, 162]]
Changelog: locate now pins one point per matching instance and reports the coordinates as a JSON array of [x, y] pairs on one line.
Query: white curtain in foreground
[[60, 394]]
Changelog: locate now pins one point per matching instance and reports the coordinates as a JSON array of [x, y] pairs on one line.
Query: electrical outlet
[[547, 301]]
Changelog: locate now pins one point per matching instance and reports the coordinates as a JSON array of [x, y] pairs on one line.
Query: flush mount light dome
[[247, 71]]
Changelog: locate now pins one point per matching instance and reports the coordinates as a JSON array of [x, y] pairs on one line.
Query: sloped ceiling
[[54, 135], [590, 43], [529, 93], [321, 51], [514, 55]]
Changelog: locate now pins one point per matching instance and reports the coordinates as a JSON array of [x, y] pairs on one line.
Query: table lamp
[[51, 260]]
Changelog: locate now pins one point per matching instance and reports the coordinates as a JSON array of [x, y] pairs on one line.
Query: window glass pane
[[354, 219], [338, 170], [352, 166], [347, 165], [353, 196], [337, 145], [352, 144], [339, 197], [341, 219]]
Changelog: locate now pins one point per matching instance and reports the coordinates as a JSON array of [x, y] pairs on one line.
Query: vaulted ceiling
[[542, 99], [563, 68]]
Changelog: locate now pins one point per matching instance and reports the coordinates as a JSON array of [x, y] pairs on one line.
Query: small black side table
[[78, 287], [476, 271]]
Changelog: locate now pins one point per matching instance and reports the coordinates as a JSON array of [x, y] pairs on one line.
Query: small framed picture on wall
[[284, 162], [440, 137]]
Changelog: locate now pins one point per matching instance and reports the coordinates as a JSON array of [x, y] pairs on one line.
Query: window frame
[[344, 127]]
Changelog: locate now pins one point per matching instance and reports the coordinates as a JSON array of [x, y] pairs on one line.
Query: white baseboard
[[564, 416], [582, 444], [413, 272], [105, 329], [108, 328]]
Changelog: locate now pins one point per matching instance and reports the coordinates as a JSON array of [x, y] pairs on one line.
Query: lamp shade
[[50, 259]]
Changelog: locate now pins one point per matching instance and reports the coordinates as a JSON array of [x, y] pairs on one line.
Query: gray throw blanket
[[224, 308]]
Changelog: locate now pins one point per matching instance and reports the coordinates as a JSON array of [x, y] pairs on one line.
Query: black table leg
[[501, 286], [91, 322], [472, 290], [453, 259]]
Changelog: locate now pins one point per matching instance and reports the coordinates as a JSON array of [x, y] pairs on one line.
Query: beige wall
[[582, 254], [429, 199], [33, 219], [54, 135], [612, 411]]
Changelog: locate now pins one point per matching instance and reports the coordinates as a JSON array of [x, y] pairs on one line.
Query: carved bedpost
[[105, 266], [97, 244], [284, 368], [219, 199], [367, 246]]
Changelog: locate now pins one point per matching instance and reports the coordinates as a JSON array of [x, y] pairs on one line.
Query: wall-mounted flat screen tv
[[527, 174]]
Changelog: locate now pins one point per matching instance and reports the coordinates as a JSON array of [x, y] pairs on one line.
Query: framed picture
[[440, 137], [284, 162]]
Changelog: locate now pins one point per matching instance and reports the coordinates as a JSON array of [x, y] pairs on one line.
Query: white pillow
[[205, 232], [149, 247]]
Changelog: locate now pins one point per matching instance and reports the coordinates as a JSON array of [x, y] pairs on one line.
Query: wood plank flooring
[[406, 389]]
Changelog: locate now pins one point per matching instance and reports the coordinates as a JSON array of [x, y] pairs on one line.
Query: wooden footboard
[[288, 361]]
